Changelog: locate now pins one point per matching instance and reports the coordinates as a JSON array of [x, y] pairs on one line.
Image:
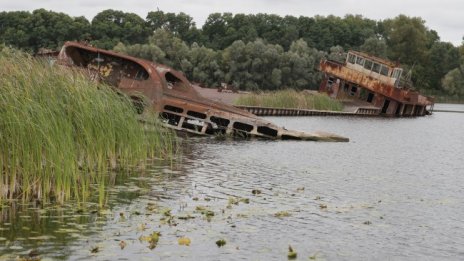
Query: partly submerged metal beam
[[173, 97]]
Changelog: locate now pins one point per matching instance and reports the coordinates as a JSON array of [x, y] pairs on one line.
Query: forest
[[248, 51]]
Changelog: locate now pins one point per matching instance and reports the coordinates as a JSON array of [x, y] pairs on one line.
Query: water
[[449, 107], [393, 192]]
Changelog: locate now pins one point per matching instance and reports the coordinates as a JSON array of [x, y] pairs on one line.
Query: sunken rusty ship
[[375, 81], [173, 97]]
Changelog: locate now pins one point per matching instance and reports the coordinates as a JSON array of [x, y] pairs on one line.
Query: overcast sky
[[443, 16]]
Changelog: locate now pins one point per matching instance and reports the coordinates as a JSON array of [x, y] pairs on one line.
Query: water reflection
[[393, 192]]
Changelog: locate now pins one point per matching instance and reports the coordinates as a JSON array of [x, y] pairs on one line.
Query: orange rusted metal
[[375, 80], [170, 94]]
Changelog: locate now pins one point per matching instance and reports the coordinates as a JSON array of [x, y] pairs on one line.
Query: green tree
[[40, 29], [214, 30], [375, 46], [249, 66], [406, 38], [110, 27], [337, 54], [180, 25], [15, 29], [453, 82], [237, 65], [206, 66], [360, 29], [298, 66], [441, 58], [269, 27], [163, 48], [144, 51]]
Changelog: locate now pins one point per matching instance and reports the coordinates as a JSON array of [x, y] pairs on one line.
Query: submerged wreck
[[375, 81], [170, 94]]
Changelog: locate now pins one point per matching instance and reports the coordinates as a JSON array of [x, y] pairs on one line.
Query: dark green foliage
[[205, 66], [180, 25], [453, 82], [250, 51], [375, 46], [442, 57], [41, 29], [15, 28], [110, 27], [257, 65], [407, 39]]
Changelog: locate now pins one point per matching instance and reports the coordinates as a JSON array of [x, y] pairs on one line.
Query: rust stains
[[376, 81], [170, 94]]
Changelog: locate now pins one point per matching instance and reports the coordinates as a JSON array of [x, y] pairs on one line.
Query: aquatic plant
[[221, 242], [60, 132], [291, 253], [291, 99]]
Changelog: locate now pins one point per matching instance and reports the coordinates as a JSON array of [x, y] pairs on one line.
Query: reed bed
[[290, 99], [60, 132]]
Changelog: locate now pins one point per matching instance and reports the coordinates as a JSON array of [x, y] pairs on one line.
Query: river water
[[394, 192]]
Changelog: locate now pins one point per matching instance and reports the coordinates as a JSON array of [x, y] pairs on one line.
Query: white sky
[[443, 16]]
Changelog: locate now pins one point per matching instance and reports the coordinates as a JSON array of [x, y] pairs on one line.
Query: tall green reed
[[60, 132], [291, 99]]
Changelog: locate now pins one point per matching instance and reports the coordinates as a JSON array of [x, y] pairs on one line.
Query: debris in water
[[282, 214], [256, 191], [393, 97], [94, 249], [166, 212], [236, 201], [322, 206], [151, 207], [313, 257], [168, 92], [205, 211], [34, 253], [142, 227], [184, 241], [367, 222], [153, 239], [187, 217], [220, 242], [291, 253]]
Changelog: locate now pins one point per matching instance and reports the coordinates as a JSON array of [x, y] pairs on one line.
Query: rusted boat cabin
[[376, 81]]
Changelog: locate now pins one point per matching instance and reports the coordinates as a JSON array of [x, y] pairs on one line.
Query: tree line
[[254, 52]]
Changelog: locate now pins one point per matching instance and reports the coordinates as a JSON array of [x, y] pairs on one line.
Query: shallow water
[[393, 192]]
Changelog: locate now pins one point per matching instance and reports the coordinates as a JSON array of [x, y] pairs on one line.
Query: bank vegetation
[[60, 133], [290, 99]]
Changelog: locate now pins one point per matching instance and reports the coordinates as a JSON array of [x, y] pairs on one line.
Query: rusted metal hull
[[269, 111], [389, 99], [170, 94]]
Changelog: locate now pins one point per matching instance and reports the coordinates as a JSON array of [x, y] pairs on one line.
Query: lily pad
[[184, 241], [220, 242], [282, 214]]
